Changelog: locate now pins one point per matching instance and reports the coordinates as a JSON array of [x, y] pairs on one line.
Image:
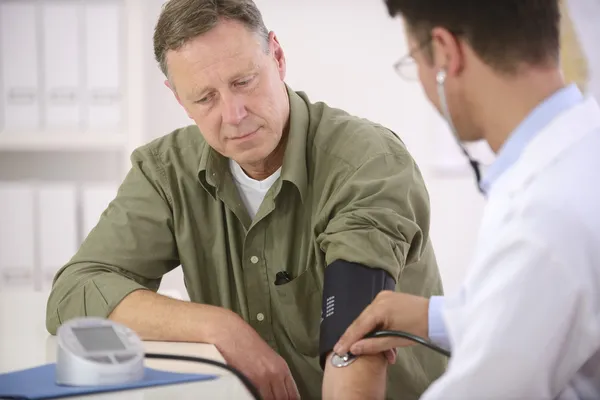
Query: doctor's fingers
[[370, 319], [390, 356], [378, 346]]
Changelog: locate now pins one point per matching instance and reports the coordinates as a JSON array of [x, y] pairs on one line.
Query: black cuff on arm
[[348, 289]]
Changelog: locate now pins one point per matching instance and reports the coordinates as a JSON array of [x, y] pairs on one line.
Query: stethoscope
[[343, 360], [475, 166]]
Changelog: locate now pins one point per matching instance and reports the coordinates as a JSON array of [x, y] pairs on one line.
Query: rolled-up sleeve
[[380, 215], [130, 248]]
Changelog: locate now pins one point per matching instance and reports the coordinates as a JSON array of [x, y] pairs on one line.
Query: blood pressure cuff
[[348, 289]]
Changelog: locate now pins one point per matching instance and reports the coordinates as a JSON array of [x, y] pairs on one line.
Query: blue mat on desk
[[39, 383]]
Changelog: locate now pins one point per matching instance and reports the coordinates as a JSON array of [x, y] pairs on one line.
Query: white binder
[[103, 31], [19, 66], [57, 227], [61, 67], [17, 236], [95, 199]]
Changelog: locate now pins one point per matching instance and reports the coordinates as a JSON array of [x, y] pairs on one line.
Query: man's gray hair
[[182, 20]]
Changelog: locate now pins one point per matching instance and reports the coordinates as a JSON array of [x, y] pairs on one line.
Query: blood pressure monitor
[[95, 351]]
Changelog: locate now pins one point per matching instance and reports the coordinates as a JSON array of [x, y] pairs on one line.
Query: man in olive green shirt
[[264, 182]]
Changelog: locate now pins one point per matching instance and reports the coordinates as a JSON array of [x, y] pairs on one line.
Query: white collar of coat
[[567, 129]]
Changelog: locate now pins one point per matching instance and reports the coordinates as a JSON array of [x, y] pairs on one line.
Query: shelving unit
[[38, 154], [129, 132], [64, 78], [74, 141]]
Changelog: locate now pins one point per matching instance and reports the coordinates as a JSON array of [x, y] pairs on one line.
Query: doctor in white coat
[[526, 322]]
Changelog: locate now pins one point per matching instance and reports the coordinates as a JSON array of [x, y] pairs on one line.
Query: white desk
[[25, 343]]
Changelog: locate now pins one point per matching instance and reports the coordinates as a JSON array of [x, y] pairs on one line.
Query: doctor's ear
[[447, 51]]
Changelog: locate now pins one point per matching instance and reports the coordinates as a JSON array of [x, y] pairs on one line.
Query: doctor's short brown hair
[[503, 33], [182, 20]]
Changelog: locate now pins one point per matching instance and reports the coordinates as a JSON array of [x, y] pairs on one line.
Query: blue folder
[[39, 383]]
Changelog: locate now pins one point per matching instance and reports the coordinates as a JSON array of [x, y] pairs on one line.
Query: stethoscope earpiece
[[441, 76]]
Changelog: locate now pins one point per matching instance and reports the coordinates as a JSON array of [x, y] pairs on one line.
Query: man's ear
[[172, 88], [278, 54]]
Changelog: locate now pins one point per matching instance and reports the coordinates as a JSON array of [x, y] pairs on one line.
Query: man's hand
[[156, 317], [389, 311], [245, 350]]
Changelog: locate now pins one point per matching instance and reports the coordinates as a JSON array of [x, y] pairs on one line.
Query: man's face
[[445, 56], [233, 89]]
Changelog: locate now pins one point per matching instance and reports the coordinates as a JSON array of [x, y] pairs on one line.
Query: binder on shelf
[[17, 236], [103, 31], [19, 66], [95, 199], [61, 66], [57, 227]]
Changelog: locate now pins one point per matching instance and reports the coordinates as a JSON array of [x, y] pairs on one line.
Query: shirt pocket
[[299, 310]]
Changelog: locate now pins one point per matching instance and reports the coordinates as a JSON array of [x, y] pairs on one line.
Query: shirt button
[[260, 317], [253, 259]]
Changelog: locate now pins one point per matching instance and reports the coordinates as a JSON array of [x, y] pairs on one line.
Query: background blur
[[79, 90]]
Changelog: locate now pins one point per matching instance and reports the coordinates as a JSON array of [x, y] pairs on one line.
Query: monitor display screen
[[102, 338]]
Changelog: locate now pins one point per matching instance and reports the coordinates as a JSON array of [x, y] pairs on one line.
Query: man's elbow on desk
[[84, 290], [364, 379]]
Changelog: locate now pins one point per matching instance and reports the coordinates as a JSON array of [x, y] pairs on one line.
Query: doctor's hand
[[389, 311], [245, 350]]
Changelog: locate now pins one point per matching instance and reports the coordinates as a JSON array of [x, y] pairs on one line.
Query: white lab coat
[[526, 323]]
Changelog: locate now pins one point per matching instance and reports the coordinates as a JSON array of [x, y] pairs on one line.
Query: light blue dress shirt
[[508, 154]]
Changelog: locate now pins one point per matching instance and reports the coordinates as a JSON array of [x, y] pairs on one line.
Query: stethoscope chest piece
[[342, 361]]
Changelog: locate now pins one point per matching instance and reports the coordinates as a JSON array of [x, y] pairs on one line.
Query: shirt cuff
[[437, 328]]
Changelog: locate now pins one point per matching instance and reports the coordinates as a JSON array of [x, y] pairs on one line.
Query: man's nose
[[233, 109]]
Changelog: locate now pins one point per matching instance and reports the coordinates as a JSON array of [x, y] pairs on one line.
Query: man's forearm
[[156, 317], [364, 379]]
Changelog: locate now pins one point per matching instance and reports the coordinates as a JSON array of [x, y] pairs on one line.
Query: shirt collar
[[535, 122], [294, 168], [213, 165], [211, 168]]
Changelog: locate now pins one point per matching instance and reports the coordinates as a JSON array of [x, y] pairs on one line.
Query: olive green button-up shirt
[[348, 190]]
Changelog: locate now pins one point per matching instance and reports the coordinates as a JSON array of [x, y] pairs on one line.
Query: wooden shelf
[[51, 141]]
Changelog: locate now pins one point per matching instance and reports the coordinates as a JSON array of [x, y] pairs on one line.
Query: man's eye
[[245, 82], [204, 100]]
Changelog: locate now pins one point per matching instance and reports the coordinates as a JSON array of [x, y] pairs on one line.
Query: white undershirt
[[251, 191]]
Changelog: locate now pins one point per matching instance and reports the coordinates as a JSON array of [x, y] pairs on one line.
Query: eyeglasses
[[407, 67]]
